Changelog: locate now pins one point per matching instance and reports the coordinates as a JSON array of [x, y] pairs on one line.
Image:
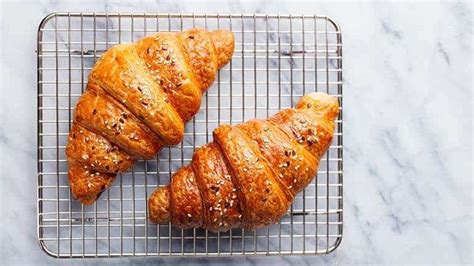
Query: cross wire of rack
[[277, 59]]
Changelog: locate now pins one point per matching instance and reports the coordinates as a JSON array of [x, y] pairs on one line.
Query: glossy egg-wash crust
[[219, 195], [264, 162], [87, 185], [137, 99], [98, 112], [296, 168], [186, 206], [95, 152], [125, 77]]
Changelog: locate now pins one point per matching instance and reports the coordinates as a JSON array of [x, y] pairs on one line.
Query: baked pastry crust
[[137, 100], [249, 175]]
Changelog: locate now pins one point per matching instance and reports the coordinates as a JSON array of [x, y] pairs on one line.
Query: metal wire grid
[[277, 59]]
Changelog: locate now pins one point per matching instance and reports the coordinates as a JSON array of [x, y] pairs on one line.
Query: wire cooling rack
[[277, 59]]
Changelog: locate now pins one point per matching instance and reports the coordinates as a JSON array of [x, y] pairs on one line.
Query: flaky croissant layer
[[248, 176], [137, 100]]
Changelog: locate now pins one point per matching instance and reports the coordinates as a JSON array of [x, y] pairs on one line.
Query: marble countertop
[[408, 183]]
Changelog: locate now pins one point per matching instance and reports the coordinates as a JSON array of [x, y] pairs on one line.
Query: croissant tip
[[224, 43], [321, 96], [159, 206], [321, 102]]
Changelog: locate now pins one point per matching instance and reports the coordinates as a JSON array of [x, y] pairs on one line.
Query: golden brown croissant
[[250, 174], [138, 98]]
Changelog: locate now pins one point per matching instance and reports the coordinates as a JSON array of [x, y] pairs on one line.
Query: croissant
[[248, 176], [137, 100]]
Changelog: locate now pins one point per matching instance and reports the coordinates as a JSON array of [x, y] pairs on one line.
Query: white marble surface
[[408, 192]]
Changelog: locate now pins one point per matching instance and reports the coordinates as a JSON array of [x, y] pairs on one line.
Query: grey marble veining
[[407, 128]]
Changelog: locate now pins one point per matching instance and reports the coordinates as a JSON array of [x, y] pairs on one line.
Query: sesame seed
[[265, 129], [294, 180], [234, 196], [306, 169], [133, 136], [215, 220], [245, 169], [220, 224], [280, 175], [234, 190], [85, 156], [210, 208], [290, 187], [300, 141], [87, 139], [189, 215], [240, 216], [81, 131]]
